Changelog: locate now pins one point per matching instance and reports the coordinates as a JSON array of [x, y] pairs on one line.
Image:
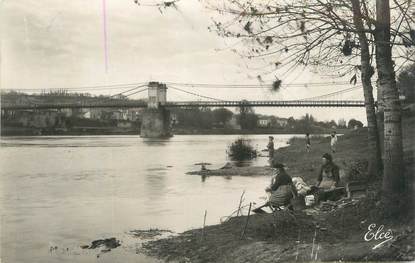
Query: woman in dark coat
[[282, 189], [328, 178]]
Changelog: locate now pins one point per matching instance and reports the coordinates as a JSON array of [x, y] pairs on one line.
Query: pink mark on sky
[[104, 25]]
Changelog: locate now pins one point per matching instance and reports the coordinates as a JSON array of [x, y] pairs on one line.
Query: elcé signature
[[378, 234]]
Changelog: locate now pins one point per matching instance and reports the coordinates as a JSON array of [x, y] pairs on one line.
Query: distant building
[[86, 115], [342, 123], [24, 117], [271, 121], [264, 122], [77, 113], [133, 114], [95, 114], [39, 119], [66, 112], [120, 97], [119, 115], [281, 122], [174, 119], [113, 114]]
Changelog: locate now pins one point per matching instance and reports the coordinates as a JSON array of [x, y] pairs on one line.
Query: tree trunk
[[380, 115], [393, 175], [375, 159]]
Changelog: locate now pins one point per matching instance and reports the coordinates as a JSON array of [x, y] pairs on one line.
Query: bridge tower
[[156, 118], [157, 95]]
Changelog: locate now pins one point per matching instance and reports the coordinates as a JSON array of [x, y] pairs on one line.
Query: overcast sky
[[59, 43]]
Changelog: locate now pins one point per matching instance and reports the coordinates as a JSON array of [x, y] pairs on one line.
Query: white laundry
[[300, 185]]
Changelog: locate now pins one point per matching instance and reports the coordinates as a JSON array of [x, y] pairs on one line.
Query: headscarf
[[328, 157]]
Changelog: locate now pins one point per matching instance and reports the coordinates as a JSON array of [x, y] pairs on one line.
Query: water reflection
[[71, 190], [244, 163], [228, 177], [155, 142], [155, 184]]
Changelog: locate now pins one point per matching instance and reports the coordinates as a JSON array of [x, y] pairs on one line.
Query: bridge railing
[[290, 103], [175, 104]]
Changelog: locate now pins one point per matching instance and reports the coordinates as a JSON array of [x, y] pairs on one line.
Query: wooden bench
[[356, 189]]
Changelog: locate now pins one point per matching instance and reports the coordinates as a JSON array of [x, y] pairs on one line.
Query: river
[[68, 191]]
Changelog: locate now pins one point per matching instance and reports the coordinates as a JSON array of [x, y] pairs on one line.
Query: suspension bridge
[[156, 115], [157, 97]]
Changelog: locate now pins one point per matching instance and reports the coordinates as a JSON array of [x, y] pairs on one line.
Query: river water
[[68, 191]]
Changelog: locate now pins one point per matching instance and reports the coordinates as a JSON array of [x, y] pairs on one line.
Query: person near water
[[333, 141], [307, 142], [281, 189], [270, 147], [328, 178]]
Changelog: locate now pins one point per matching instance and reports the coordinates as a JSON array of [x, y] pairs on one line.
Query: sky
[[53, 44]]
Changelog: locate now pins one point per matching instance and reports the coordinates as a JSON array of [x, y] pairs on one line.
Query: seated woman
[[281, 189], [328, 178]]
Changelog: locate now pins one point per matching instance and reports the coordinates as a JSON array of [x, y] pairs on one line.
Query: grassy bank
[[305, 235], [220, 131], [350, 156]]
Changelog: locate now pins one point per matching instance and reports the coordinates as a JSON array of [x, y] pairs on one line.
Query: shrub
[[241, 150]]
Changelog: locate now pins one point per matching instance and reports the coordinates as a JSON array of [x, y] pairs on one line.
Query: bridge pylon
[[156, 118]]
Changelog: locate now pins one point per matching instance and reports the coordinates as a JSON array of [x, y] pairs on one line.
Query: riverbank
[[285, 237], [344, 233], [270, 131], [351, 159]]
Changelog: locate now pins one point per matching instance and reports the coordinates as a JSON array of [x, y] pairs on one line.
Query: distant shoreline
[[20, 131]]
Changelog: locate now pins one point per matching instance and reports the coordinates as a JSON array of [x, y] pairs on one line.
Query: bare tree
[[367, 72], [393, 150]]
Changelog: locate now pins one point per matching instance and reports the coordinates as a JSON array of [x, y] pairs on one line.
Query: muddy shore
[[283, 237]]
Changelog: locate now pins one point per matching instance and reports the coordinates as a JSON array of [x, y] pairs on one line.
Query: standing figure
[[270, 147], [333, 141], [307, 142]]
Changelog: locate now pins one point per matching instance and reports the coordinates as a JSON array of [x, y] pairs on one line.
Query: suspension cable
[[195, 94]]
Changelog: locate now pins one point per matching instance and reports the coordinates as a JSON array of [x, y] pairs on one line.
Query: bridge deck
[[191, 104]]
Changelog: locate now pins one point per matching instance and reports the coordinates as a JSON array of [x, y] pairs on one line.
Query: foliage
[[222, 115], [247, 117], [298, 33], [307, 124], [354, 123], [276, 85], [241, 149], [195, 118], [248, 121], [406, 82]]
